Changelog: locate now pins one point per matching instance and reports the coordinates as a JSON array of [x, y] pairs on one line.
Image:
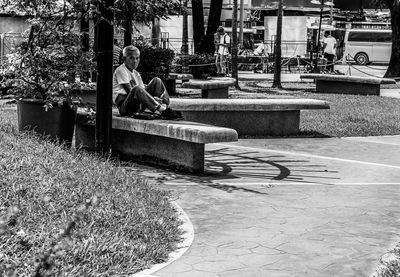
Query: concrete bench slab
[[170, 83], [177, 144], [181, 130], [212, 88], [180, 76], [249, 117], [345, 84]]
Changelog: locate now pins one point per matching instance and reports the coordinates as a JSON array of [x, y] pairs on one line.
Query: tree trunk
[[278, 51], [84, 29], [394, 63], [198, 23], [155, 32], [214, 18], [235, 42], [128, 31], [185, 39]]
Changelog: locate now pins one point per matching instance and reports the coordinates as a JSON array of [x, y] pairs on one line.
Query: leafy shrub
[[154, 62], [45, 64], [201, 66]]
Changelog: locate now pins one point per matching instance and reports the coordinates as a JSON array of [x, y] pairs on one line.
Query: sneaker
[[171, 114], [145, 115]]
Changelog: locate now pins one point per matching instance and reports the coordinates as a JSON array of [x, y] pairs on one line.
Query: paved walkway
[[289, 207]]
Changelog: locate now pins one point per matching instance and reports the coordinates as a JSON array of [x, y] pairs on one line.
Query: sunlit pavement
[[289, 207]]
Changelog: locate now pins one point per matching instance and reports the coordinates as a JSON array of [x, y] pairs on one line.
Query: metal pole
[[105, 37]]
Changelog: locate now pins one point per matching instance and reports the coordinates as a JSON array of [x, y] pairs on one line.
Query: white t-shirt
[[123, 75], [259, 50], [225, 39], [330, 45]]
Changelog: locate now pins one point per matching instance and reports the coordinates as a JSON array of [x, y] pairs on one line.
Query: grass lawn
[[349, 115], [119, 224]]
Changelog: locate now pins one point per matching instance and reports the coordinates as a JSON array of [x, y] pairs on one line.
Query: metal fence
[[8, 42]]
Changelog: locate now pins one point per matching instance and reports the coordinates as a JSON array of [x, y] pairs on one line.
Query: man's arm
[[123, 80], [127, 87]]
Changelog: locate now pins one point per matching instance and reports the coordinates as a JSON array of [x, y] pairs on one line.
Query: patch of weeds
[[389, 264]]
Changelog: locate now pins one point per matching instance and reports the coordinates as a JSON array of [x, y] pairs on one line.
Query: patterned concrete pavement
[[289, 207]]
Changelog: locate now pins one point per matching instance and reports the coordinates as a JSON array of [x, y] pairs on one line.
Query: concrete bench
[[212, 88], [345, 84], [177, 144], [249, 117], [170, 83]]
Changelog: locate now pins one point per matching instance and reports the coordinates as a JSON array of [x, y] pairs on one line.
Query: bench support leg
[[170, 85], [324, 86], [163, 151], [250, 123], [219, 93], [156, 150]]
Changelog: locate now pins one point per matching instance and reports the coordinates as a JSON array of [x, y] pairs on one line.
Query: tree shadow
[[248, 171]]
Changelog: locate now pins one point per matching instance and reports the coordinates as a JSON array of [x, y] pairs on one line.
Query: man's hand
[[159, 100], [132, 83]]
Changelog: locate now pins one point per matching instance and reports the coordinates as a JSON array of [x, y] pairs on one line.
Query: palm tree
[[214, 17], [198, 24], [278, 51], [185, 47], [394, 63]]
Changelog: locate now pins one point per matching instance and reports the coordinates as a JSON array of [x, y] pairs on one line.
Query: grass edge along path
[[51, 224]]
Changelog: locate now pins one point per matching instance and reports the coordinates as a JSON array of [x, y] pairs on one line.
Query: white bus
[[368, 46]]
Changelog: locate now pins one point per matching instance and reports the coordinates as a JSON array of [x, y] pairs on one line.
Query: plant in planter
[[45, 70]]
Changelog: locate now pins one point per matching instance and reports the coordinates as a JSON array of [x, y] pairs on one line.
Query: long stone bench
[[178, 144], [213, 88], [345, 84], [249, 117]]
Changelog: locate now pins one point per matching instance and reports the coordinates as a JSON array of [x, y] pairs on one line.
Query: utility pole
[[105, 37]]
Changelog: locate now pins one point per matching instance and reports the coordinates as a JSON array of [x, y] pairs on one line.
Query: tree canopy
[[145, 10]]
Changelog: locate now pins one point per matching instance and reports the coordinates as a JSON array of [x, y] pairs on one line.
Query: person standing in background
[[222, 51], [329, 49]]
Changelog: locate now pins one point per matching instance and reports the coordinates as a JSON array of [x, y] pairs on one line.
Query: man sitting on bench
[[132, 96]]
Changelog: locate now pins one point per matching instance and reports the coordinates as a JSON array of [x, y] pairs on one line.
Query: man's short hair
[[130, 49], [220, 29]]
